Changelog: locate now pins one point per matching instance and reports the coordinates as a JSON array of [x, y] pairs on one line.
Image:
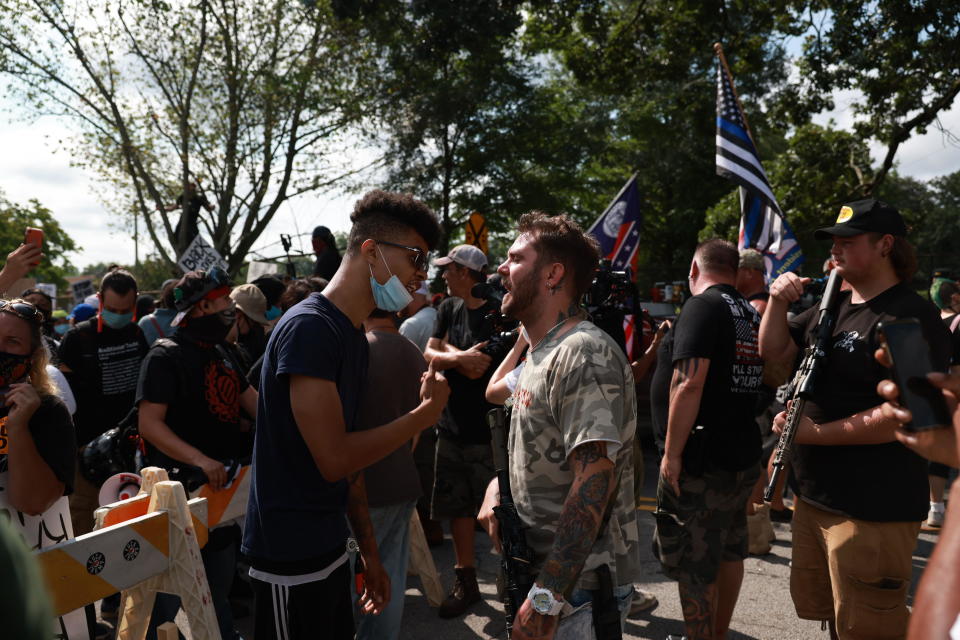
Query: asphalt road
[[764, 610]]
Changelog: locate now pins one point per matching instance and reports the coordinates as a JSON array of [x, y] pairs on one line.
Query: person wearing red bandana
[[190, 396]]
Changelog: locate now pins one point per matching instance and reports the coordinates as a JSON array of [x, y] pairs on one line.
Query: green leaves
[[15, 218]]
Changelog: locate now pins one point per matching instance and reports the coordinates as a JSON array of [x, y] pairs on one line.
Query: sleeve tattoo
[[581, 517]]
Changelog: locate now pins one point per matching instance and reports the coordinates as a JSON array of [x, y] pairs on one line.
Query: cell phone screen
[[910, 354]]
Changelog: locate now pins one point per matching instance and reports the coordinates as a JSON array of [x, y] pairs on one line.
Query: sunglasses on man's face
[[24, 310], [420, 261]]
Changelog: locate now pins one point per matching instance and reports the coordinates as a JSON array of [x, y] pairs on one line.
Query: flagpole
[[718, 48], [612, 202]]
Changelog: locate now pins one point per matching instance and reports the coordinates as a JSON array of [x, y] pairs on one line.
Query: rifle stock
[[516, 557]]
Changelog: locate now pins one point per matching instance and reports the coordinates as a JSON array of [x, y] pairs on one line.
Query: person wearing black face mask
[[190, 397]]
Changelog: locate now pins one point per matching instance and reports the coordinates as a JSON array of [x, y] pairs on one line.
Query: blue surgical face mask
[[391, 296], [273, 313], [61, 329], [116, 320]]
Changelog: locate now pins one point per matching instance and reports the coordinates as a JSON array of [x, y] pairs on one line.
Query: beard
[[522, 296]]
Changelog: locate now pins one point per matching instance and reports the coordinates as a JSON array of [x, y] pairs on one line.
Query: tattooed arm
[[577, 529], [376, 593], [686, 390]]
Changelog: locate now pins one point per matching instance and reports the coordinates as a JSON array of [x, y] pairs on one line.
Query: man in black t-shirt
[[860, 504], [306, 446], [464, 459], [101, 360], [703, 421], [190, 399]]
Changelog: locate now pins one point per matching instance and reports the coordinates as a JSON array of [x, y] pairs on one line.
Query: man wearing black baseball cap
[[859, 505], [190, 396]]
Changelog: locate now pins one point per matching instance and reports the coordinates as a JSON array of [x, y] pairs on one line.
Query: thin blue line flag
[[762, 224]]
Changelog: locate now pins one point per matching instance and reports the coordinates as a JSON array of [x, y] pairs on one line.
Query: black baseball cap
[[195, 286], [864, 216]]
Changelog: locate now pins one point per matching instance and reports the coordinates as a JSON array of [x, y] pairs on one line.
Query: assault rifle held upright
[[805, 380], [516, 557]]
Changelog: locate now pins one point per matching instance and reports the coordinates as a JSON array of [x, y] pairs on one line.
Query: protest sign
[[201, 256]]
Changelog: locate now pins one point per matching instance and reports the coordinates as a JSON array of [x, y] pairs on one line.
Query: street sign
[[476, 231]]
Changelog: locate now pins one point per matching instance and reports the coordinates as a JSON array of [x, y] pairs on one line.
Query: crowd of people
[[361, 403]]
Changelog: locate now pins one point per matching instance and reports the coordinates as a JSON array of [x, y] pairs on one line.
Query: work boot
[[465, 593], [765, 521], [759, 542]]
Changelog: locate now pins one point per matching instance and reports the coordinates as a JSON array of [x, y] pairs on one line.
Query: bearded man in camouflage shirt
[[571, 435]]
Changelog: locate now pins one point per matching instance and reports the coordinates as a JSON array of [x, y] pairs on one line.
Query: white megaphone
[[121, 486]]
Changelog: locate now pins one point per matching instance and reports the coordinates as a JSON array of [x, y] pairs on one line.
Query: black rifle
[[805, 380], [516, 557]]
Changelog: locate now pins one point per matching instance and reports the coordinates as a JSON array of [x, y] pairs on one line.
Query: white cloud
[[36, 165]]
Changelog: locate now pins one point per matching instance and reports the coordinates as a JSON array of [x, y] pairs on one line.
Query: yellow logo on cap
[[845, 214]]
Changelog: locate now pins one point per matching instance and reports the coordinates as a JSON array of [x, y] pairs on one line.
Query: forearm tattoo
[[683, 371], [580, 519]]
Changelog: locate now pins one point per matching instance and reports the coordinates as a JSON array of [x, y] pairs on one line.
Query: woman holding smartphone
[[37, 441]]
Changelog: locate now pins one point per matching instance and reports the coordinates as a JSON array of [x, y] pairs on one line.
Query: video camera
[[497, 330], [610, 298]]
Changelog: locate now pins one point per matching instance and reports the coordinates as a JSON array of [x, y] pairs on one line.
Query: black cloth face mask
[[211, 328]]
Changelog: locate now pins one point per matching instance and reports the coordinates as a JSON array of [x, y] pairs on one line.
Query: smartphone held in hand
[[33, 236], [910, 354]]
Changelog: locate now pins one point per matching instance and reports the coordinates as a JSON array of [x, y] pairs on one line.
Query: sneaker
[[935, 515], [465, 593], [643, 602]]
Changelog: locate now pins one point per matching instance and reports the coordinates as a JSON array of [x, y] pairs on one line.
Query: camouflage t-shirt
[[576, 387]]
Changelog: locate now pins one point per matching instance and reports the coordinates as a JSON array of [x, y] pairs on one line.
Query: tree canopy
[[244, 98], [15, 218], [496, 106]]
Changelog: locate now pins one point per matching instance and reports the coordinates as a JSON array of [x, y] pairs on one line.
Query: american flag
[[762, 225]]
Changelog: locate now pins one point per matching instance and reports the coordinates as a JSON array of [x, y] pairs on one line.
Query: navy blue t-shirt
[[295, 518]]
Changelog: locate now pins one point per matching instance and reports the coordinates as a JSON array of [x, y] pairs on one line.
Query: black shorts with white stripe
[[319, 609]]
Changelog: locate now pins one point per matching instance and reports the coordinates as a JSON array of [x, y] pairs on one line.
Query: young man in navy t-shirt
[[306, 455]]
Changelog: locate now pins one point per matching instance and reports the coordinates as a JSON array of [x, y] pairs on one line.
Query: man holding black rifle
[[860, 505], [570, 442]]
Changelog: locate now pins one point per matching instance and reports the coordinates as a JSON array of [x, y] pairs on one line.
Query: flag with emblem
[[617, 232], [762, 224], [618, 229]]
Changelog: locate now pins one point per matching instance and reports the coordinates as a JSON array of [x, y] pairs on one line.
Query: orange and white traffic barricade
[[147, 544]]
